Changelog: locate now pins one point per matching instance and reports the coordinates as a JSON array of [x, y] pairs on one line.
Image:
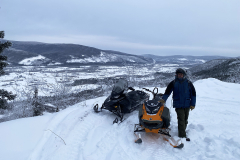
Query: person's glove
[[192, 107], [162, 101]]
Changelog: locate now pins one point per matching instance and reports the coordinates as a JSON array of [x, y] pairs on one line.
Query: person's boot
[[187, 139]]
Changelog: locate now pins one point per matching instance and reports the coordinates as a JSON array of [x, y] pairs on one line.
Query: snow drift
[[214, 129]]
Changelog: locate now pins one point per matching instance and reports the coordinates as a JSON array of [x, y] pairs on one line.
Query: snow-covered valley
[[214, 129], [46, 79]]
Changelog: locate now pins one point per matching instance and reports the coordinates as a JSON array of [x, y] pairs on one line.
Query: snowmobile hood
[[152, 106]]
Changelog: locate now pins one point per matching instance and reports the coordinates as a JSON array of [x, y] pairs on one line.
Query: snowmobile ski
[[116, 120], [95, 108], [174, 143], [166, 136], [139, 139]]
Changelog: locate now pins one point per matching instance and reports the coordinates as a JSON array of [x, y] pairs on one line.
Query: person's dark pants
[[182, 116]]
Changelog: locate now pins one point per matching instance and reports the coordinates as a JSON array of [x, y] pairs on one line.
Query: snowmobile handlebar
[[131, 88], [153, 92]]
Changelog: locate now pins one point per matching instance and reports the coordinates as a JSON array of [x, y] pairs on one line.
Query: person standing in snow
[[184, 99]]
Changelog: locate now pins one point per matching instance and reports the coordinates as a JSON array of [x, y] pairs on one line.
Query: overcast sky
[[160, 27]]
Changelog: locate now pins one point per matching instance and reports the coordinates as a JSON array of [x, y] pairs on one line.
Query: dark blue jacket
[[184, 94]]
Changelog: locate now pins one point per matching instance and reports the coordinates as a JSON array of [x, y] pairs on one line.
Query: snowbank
[[18, 138], [214, 129]]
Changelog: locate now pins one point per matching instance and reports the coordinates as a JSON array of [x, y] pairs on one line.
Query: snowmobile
[[122, 101], [154, 117]]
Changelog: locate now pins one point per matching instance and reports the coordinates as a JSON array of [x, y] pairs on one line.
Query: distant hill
[[36, 53], [182, 59], [227, 70]]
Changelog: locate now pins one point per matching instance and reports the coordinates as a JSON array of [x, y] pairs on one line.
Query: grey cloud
[[109, 24]]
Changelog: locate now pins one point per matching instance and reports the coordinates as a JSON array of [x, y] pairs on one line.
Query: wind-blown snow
[[214, 129]]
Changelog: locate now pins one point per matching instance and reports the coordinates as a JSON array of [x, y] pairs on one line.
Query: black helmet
[[180, 70]]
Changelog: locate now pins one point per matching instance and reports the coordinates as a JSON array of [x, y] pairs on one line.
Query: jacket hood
[[181, 80]]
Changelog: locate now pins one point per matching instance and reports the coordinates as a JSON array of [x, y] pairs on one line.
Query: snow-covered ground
[[214, 129]]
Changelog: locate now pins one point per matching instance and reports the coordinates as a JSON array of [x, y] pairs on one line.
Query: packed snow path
[[214, 129]]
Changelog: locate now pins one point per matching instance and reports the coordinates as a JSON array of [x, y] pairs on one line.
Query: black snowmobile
[[122, 100], [154, 117]]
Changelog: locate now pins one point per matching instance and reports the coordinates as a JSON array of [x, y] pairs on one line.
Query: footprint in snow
[[197, 127]]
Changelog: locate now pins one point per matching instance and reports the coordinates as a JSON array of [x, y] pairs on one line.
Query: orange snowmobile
[[154, 117]]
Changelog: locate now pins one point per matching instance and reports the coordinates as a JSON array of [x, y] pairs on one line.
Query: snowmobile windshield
[[119, 87]]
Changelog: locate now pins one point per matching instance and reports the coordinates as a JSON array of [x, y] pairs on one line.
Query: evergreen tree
[[4, 95]]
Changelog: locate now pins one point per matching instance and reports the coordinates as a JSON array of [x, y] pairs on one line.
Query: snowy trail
[[214, 129]]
